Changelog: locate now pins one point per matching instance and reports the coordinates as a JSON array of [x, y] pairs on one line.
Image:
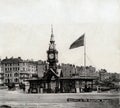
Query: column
[[77, 86], [57, 86]]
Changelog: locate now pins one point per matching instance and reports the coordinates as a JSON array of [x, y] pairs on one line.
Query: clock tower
[[52, 53], [52, 73]]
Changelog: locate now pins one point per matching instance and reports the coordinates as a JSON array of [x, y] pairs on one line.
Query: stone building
[[68, 70], [17, 70], [1, 74], [41, 67], [89, 71], [27, 70], [103, 75]]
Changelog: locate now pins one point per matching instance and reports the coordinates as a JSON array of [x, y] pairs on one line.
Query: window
[[10, 75], [16, 75], [6, 75], [6, 80], [16, 80], [5, 69], [10, 80], [10, 69], [23, 69]]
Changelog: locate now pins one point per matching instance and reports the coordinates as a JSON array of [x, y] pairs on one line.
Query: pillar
[[77, 87], [48, 87], [92, 86], [61, 86], [57, 86]]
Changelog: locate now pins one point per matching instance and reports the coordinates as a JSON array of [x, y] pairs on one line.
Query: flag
[[79, 42]]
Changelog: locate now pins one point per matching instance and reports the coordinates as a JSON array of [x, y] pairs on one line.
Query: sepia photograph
[[59, 53]]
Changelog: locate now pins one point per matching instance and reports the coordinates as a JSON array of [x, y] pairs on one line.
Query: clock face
[[51, 56]]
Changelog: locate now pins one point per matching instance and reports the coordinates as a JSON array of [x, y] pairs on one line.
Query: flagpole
[[84, 54], [81, 41]]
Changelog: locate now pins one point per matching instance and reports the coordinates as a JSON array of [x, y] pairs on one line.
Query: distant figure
[[98, 89], [82, 88], [22, 86], [85, 89], [11, 86], [89, 89]]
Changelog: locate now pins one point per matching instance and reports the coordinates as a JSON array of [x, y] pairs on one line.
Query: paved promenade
[[18, 99]]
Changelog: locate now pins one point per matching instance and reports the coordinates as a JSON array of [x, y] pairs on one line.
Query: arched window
[[16, 74]]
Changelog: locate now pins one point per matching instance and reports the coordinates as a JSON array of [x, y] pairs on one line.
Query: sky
[[25, 29]]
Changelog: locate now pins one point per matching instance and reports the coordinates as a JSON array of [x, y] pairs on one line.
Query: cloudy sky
[[25, 28]]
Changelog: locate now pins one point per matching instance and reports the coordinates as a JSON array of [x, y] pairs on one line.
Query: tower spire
[[51, 29], [52, 36]]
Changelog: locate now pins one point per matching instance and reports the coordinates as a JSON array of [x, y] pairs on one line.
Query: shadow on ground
[[5, 106]]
